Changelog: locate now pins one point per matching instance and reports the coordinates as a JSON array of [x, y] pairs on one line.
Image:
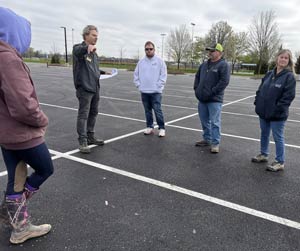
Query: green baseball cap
[[215, 47]]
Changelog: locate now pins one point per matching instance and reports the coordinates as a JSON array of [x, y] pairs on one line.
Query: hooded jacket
[[22, 123], [275, 94], [150, 75], [211, 80]]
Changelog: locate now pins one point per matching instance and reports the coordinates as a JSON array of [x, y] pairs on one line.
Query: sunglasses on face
[[149, 49]]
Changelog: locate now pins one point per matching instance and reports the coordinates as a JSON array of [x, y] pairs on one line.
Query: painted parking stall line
[[214, 200]]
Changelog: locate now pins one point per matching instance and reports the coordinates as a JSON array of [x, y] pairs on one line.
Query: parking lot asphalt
[[148, 193]]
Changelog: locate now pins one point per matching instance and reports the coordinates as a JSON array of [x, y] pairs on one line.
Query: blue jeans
[[87, 113], [278, 135], [37, 157], [210, 117], [153, 101]]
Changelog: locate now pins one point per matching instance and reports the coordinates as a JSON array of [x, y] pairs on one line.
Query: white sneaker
[[29, 231], [148, 131], [162, 133]]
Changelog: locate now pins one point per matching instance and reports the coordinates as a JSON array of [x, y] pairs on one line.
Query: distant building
[[250, 67]]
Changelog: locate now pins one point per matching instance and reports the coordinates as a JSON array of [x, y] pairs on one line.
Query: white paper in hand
[[114, 72]]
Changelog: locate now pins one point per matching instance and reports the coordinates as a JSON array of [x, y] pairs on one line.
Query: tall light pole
[[162, 45], [193, 24], [72, 36], [65, 30]]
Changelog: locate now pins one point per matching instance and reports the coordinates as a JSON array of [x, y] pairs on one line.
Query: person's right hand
[[91, 48]]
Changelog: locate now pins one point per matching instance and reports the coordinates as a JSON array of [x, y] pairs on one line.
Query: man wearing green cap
[[209, 85]]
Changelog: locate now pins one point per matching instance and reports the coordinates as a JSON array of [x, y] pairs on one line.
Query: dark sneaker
[[215, 149], [260, 158], [202, 143], [94, 141], [275, 166], [83, 148]]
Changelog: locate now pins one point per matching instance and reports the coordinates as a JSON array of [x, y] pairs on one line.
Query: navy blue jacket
[[211, 81], [274, 95], [86, 72]]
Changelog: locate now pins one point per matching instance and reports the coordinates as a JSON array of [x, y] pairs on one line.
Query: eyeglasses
[[149, 49]]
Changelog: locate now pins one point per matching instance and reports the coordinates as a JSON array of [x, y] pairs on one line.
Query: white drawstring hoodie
[[150, 75]]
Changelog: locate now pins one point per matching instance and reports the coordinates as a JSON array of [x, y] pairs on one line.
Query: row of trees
[[32, 53], [257, 45]]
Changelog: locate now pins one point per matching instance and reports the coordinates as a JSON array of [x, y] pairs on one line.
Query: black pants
[[87, 113], [37, 157]]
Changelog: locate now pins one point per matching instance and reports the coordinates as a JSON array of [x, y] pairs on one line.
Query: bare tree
[[55, 55], [179, 44], [264, 38], [54, 49], [29, 53], [199, 54], [236, 46], [219, 33]]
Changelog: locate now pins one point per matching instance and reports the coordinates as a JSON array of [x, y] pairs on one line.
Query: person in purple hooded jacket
[[22, 128]]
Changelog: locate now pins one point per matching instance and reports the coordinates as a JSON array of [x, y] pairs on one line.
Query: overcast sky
[[128, 24]]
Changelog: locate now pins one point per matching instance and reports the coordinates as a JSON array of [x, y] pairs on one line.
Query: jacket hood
[[282, 72], [15, 30]]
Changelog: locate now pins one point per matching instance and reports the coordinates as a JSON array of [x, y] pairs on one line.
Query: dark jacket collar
[[284, 71]]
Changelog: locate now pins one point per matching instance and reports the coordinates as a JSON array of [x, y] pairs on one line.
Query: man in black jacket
[[86, 75], [210, 82]]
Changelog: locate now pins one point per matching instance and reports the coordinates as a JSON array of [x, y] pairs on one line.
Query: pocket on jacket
[[280, 113], [259, 107]]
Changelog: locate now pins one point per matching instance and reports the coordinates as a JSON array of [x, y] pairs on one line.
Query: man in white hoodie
[[150, 76]]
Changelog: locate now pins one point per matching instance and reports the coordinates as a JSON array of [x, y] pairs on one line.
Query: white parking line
[[237, 101], [214, 200], [110, 140], [255, 116], [100, 113], [138, 101], [170, 125], [232, 136]]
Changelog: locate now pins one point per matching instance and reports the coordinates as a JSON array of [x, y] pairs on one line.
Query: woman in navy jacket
[[273, 98]]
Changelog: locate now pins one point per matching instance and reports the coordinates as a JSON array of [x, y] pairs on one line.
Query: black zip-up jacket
[[211, 80], [86, 72], [274, 95]]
